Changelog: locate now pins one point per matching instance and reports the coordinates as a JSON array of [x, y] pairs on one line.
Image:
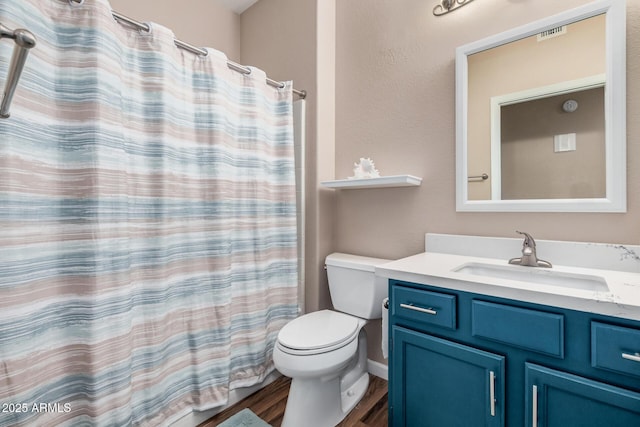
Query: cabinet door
[[437, 383], [558, 399]]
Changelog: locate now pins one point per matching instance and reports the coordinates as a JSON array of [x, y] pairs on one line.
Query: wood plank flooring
[[269, 404]]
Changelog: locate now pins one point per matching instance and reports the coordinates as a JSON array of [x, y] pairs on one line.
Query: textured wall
[[197, 22], [295, 40], [395, 91], [395, 103]]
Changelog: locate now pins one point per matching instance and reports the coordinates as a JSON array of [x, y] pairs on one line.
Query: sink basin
[[538, 275]]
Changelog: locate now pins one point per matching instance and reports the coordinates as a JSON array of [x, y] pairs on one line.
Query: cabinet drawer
[[615, 348], [432, 308], [520, 327]]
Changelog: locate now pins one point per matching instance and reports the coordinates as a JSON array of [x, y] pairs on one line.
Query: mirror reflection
[[530, 115], [536, 115], [553, 148]]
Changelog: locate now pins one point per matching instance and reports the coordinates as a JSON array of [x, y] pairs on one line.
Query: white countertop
[[437, 269]]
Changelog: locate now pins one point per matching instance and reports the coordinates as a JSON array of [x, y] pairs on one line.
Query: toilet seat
[[318, 332]]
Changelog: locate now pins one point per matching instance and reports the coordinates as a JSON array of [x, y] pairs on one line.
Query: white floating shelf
[[381, 182]]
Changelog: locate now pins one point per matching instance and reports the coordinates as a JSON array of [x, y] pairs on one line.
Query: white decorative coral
[[364, 169]]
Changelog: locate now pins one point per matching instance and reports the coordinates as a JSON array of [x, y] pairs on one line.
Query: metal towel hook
[[24, 41]]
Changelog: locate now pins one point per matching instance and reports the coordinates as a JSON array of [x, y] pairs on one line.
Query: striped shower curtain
[[147, 223]]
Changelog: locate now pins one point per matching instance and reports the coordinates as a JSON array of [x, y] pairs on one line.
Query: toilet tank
[[353, 285]]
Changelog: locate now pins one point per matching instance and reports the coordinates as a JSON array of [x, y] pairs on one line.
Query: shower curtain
[[147, 223]]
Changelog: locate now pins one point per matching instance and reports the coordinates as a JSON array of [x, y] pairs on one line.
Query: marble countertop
[[438, 269]]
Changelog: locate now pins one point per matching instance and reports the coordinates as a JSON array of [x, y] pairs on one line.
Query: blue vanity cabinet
[[559, 399], [441, 383], [465, 359]]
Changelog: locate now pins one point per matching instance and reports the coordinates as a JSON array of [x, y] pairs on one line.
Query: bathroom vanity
[[474, 341]]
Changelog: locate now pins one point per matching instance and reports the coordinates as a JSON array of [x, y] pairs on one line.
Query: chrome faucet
[[529, 257]]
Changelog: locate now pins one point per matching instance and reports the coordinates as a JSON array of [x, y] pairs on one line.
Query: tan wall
[[395, 92], [295, 40], [202, 23], [395, 102]]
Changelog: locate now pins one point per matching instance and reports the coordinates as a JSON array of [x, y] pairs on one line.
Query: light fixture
[[447, 6]]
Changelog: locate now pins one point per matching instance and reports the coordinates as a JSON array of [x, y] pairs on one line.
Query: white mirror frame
[[615, 114]]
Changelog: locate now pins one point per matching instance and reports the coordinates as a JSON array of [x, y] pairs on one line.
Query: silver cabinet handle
[[534, 403], [492, 392], [633, 357], [420, 309]]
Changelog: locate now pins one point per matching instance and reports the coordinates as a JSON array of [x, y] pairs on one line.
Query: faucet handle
[[529, 257], [528, 240]]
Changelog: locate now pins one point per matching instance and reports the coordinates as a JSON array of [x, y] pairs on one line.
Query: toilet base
[[326, 400], [352, 396], [319, 403]]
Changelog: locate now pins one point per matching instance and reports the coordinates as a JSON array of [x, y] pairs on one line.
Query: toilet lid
[[317, 330]]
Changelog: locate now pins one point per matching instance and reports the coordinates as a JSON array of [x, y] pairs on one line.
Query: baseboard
[[378, 369]]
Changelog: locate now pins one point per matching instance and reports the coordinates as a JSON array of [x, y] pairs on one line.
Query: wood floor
[[269, 404]]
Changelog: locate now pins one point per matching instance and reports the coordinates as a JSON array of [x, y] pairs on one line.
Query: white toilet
[[325, 352]]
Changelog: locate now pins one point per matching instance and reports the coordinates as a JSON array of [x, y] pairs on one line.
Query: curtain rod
[[24, 40], [199, 51]]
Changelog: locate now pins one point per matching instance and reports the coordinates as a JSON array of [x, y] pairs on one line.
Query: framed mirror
[[541, 115]]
